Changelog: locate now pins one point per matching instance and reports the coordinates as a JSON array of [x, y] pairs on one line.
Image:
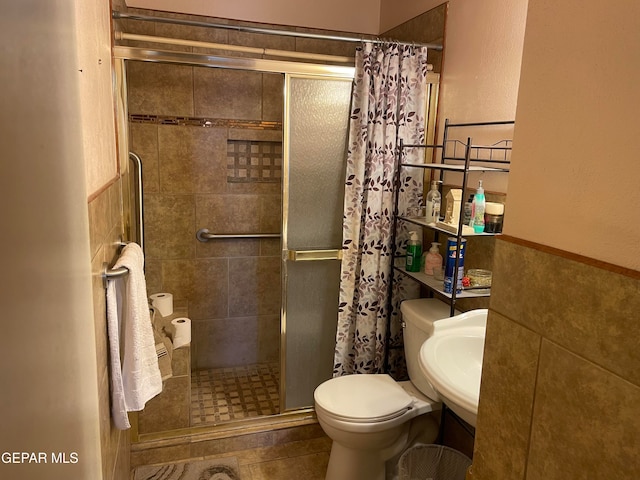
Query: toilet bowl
[[371, 418]]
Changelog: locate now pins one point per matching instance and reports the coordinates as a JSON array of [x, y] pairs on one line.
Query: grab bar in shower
[[139, 211], [204, 236]]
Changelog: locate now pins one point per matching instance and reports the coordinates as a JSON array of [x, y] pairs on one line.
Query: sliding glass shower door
[[315, 131]]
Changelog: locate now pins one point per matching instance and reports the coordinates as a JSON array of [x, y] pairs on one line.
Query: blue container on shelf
[[450, 264]]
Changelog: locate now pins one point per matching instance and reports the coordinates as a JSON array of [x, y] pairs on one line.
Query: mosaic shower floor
[[227, 394]]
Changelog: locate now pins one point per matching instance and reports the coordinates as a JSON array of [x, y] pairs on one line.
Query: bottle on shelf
[[453, 251], [433, 203], [433, 259], [468, 210], [478, 207], [493, 215], [414, 253]]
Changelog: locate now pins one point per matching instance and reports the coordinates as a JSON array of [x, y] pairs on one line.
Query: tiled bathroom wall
[[105, 230], [425, 28], [191, 127], [561, 383]]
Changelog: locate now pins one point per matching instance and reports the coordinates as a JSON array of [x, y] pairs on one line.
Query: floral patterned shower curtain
[[388, 104]]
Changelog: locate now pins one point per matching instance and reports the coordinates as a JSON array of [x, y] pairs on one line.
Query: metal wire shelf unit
[[476, 158]]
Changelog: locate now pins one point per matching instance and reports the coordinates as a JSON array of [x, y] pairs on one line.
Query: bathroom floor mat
[[227, 394], [219, 469]]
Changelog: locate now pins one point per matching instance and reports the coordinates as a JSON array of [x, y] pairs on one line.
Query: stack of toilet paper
[[181, 332], [163, 303], [181, 327]]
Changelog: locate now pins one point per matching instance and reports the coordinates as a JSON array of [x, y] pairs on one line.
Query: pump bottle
[[433, 203], [478, 206], [414, 253], [433, 259]]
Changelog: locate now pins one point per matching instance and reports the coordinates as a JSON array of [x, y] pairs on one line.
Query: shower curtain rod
[[148, 18]]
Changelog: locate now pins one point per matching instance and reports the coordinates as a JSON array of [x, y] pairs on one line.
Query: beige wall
[[362, 16], [480, 75], [49, 395], [482, 60], [560, 389], [574, 183], [395, 12], [64, 140], [96, 98]]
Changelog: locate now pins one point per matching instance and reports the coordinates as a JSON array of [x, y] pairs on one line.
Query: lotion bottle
[[478, 206], [433, 259], [414, 253], [433, 203]]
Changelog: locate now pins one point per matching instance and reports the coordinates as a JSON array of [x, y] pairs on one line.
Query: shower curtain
[[388, 104]]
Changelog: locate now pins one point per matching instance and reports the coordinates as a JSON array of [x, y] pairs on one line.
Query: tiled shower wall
[[230, 287], [425, 28]]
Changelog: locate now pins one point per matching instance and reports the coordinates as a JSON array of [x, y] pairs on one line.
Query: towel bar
[[109, 273]]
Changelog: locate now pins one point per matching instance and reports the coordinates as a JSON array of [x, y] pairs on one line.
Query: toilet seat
[[366, 398]]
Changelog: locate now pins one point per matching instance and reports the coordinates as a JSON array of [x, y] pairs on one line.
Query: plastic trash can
[[432, 462]]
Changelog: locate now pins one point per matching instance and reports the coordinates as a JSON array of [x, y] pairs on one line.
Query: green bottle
[[414, 253]]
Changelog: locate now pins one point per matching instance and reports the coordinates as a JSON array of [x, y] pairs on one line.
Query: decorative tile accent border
[[205, 122], [254, 161]]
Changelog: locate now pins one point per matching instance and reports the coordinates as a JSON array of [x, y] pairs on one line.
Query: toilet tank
[[418, 316]]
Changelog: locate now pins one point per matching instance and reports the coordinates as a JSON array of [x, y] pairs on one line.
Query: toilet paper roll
[[181, 332], [163, 302]]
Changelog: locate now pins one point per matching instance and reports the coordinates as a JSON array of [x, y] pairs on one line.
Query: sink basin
[[451, 359]]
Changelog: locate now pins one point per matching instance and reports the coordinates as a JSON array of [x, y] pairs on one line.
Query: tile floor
[[296, 460], [305, 459], [227, 394]]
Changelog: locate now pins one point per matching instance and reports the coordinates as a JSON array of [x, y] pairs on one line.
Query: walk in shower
[[243, 173]]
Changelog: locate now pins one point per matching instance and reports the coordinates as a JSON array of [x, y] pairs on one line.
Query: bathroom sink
[[451, 359]]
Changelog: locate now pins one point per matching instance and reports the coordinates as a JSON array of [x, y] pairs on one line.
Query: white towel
[[135, 375]]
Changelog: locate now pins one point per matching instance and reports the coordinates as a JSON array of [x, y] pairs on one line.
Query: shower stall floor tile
[[225, 394]]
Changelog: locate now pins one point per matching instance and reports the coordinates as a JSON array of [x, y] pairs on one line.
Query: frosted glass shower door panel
[[311, 328], [316, 124]]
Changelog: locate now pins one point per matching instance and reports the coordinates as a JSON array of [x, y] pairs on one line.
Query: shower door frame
[[260, 65], [289, 255], [286, 68]]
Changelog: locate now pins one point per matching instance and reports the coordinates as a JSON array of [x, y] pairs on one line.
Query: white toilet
[[372, 418]]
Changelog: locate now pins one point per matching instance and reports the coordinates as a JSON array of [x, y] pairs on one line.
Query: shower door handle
[[312, 255]]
